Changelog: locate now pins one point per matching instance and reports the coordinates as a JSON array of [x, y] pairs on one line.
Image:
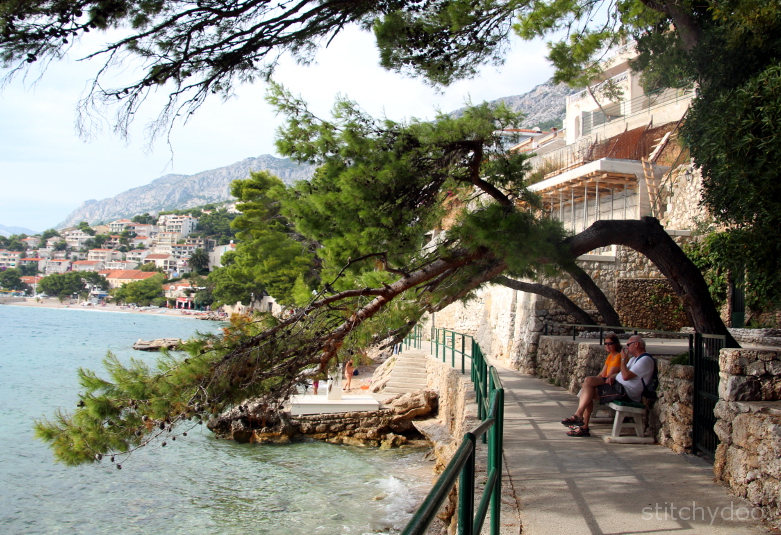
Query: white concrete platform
[[310, 404]]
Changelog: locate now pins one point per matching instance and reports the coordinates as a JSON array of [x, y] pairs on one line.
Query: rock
[[386, 428], [413, 404], [158, 344], [392, 441]]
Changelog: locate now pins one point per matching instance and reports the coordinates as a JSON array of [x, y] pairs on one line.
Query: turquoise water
[[195, 485]]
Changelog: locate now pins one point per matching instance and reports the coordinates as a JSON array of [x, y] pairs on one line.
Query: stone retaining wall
[[649, 304], [567, 363], [748, 424]]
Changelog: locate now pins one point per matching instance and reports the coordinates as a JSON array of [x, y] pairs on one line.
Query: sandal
[[578, 432], [572, 420]]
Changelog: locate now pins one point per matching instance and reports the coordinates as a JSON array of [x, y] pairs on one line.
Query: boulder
[[158, 344], [388, 428]]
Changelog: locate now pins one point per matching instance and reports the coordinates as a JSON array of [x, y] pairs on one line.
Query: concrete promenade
[[567, 485]]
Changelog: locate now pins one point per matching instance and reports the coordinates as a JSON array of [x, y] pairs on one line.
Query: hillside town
[[122, 251]]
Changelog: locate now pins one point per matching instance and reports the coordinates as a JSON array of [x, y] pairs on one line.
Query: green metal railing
[[461, 468], [614, 328], [414, 340], [444, 340]]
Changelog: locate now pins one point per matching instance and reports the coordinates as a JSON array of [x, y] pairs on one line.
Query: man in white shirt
[[625, 385]]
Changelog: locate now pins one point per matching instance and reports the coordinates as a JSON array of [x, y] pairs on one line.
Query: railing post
[[497, 435], [463, 354], [452, 349], [466, 491]]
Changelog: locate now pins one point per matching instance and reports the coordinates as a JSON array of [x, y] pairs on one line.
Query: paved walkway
[[571, 485]]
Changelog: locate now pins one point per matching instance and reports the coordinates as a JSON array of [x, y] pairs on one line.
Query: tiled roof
[[136, 274]]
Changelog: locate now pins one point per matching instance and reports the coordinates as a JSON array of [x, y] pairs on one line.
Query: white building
[[183, 225], [216, 255], [87, 265], [608, 169], [76, 238], [104, 255], [56, 266], [137, 255], [119, 226], [120, 265], [10, 259], [166, 262]]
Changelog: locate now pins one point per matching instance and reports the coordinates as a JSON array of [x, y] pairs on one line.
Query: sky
[[47, 170]]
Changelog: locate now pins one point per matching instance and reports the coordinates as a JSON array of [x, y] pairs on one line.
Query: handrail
[[437, 334], [692, 336], [490, 403], [414, 339], [603, 328]]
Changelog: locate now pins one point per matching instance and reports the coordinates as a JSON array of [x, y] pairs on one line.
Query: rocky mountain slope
[[543, 106], [171, 192]]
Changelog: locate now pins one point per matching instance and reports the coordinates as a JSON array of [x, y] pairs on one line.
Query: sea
[[196, 484]]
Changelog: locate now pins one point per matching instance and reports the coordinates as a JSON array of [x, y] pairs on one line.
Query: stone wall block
[[755, 368], [724, 411], [769, 389], [681, 371], [724, 432], [740, 388], [773, 367], [732, 362]]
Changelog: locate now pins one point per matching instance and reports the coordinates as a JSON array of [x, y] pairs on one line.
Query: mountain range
[[542, 106], [173, 192], [10, 231]]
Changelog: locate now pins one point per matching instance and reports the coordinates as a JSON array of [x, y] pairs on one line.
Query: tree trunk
[[609, 314], [649, 238], [581, 316]]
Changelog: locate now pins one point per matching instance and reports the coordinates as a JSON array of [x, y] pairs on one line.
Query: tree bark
[[689, 30], [648, 237], [594, 292], [581, 316]]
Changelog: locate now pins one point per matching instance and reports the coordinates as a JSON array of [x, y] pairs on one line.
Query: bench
[[624, 410]]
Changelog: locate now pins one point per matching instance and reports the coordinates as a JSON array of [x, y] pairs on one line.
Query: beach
[[53, 302]]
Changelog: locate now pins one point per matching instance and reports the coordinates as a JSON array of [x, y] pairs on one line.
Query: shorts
[[614, 392]]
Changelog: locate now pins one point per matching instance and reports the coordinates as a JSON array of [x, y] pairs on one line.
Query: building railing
[[461, 468], [594, 125]]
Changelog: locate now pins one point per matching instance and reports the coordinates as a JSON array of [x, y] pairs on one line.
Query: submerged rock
[[158, 344]]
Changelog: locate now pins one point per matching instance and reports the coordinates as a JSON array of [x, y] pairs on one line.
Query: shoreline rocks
[[388, 427], [158, 344]]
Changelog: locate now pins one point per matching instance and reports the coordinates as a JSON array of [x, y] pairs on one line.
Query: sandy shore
[[52, 302]]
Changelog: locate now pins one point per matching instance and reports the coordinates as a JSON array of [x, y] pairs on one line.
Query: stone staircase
[[408, 374]]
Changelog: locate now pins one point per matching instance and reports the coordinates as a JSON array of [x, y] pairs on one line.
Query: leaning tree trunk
[[581, 316], [609, 314], [648, 237]]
